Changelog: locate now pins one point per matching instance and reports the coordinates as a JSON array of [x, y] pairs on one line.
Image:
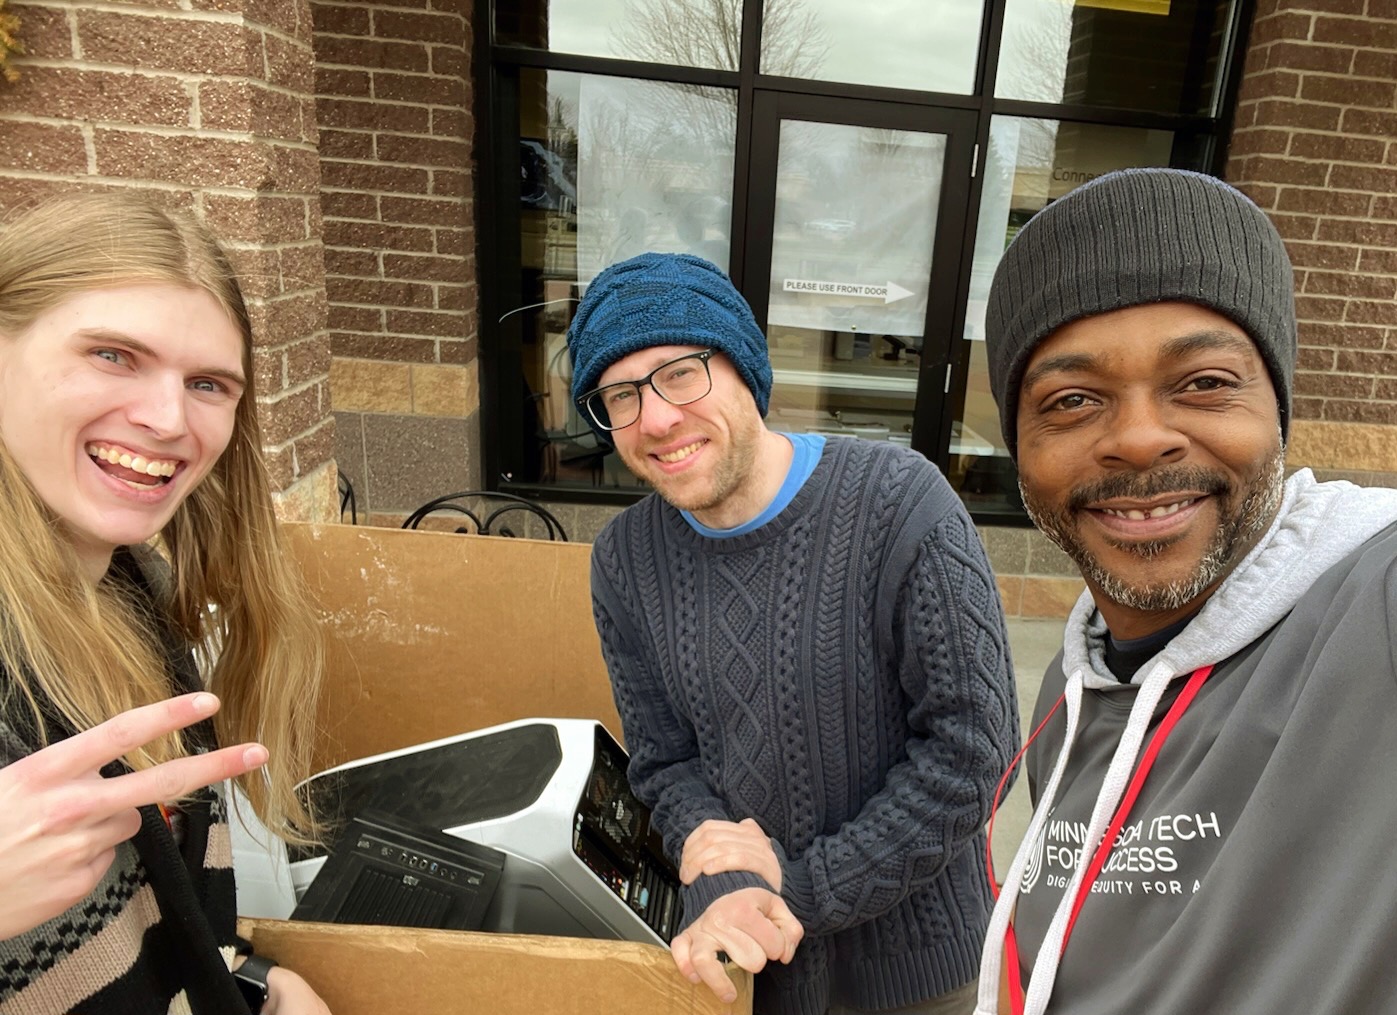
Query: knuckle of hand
[[20, 778], [166, 782], [85, 852], [130, 824], [123, 734], [60, 812], [76, 886]]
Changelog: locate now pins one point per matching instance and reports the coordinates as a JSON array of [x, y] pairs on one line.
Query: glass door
[[856, 219]]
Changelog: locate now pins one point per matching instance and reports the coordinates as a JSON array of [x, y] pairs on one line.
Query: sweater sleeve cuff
[[796, 887], [707, 888]]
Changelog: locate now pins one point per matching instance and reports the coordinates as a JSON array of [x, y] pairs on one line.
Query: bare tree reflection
[[708, 33], [1033, 56], [655, 176]]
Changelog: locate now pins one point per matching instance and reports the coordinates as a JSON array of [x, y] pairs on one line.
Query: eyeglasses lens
[[679, 382]]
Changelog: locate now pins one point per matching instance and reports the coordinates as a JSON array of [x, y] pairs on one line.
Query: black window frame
[[1200, 140]]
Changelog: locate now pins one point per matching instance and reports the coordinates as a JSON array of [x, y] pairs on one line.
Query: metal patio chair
[[487, 512]]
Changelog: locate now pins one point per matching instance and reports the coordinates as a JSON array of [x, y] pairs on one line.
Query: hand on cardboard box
[[752, 926], [289, 994], [716, 847]]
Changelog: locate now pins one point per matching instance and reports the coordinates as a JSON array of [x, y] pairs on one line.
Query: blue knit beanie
[[665, 299]]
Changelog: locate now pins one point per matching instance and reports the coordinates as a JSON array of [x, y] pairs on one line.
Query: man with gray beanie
[[808, 655], [1212, 778]]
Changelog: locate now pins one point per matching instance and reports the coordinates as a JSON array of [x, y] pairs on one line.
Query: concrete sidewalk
[[1033, 643]]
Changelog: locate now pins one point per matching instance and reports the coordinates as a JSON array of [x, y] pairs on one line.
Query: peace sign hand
[[61, 821]]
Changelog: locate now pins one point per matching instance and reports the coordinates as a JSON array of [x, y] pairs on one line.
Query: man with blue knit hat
[[807, 651], [1212, 782]]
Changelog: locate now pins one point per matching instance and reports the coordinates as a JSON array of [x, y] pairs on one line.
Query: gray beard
[[1235, 536]]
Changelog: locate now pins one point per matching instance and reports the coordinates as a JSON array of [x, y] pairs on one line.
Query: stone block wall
[[394, 97]]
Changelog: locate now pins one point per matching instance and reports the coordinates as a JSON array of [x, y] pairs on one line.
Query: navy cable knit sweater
[[842, 675]]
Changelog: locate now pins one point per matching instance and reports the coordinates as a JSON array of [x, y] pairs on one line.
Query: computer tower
[[384, 873], [580, 857]]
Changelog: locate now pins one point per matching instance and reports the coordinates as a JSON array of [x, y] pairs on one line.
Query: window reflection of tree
[[645, 153], [1038, 150], [708, 33], [1033, 55], [905, 173], [649, 151]]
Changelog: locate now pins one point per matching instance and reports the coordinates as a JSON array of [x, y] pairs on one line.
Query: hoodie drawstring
[[1113, 791], [987, 1001]]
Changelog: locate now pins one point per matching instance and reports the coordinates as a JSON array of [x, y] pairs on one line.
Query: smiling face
[[707, 457], [1150, 451], [116, 403]]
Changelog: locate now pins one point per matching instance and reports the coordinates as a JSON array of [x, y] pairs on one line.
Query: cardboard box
[[390, 970], [432, 635]]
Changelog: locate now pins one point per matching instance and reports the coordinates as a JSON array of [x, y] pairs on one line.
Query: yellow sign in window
[[1160, 7]]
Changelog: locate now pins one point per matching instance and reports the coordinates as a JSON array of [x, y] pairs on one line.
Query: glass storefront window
[[687, 33], [893, 43], [1154, 55], [1030, 164], [850, 262], [863, 228], [609, 168]]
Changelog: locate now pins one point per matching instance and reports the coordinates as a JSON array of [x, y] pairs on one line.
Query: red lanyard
[[1103, 850]]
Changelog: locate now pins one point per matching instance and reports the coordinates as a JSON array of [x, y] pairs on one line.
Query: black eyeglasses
[[678, 382]]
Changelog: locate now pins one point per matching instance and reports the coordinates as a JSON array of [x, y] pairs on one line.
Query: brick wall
[[212, 109], [1314, 145], [394, 106]]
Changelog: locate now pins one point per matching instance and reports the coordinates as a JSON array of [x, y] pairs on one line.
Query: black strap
[[251, 977], [208, 985]]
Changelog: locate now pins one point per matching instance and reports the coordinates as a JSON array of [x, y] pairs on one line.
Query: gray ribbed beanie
[[1140, 236]]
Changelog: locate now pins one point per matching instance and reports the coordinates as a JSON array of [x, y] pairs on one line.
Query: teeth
[[1137, 515], [681, 454], [136, 463]]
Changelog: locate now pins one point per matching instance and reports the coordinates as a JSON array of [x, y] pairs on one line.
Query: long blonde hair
[[82, 650]]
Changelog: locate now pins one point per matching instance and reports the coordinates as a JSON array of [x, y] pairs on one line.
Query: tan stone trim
[[1364, 447], [312, 498], [443, 390], [359, 385]]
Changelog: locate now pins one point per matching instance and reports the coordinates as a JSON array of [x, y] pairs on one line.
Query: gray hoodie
[[1252, 874]]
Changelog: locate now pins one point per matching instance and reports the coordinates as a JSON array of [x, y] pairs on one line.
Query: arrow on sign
[[890, 293]]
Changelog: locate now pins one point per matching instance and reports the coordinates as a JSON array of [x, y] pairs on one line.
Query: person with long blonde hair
[[147, 615]]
